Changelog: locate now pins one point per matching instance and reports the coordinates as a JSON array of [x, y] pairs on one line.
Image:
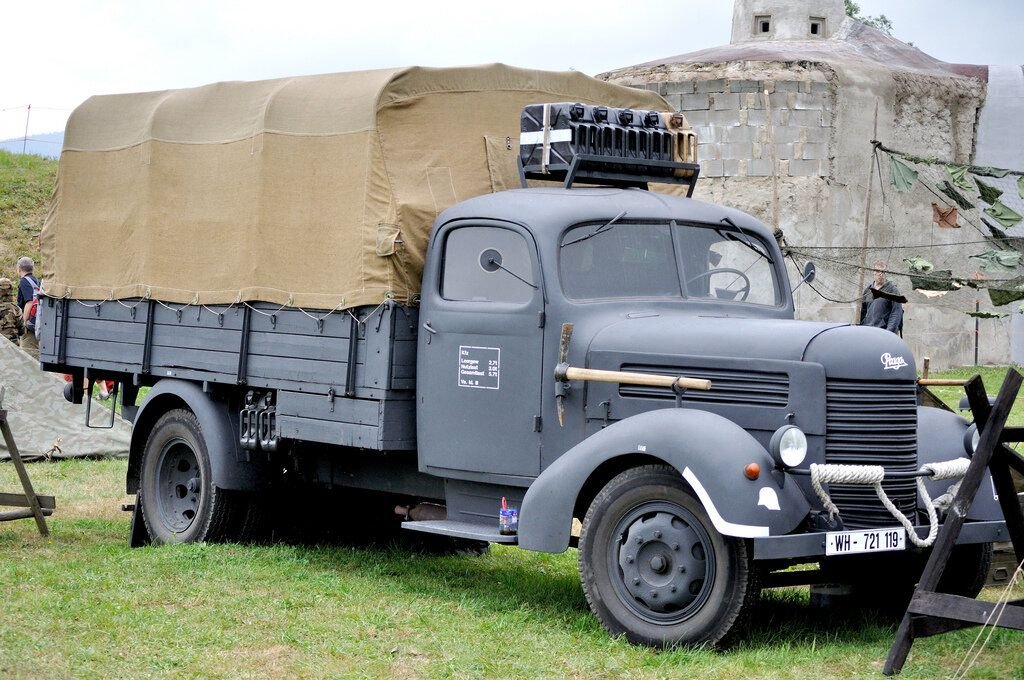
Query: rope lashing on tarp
[[874, 475]]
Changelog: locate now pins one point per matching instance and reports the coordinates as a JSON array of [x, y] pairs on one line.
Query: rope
[[874, 475], [996, 614]]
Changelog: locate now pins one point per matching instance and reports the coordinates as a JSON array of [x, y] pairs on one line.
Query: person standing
[[28, 296], [881, 305], [11, 324]]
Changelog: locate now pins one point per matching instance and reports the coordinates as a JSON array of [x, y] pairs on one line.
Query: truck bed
[[329, 388]]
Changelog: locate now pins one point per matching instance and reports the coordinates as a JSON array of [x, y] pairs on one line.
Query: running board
[[470, 530]]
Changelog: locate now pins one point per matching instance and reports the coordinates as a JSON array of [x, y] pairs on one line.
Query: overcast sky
[[56, 54]]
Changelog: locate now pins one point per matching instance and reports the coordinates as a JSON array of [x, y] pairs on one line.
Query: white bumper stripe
[[725, 528]]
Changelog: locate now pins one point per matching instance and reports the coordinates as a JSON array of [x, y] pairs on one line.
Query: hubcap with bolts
[[179, 485], [663, 558]]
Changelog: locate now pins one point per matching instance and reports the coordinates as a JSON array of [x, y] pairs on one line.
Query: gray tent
[[41, 418]]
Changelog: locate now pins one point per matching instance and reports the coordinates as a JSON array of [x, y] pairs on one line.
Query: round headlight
[[789, 446], [971, 438]]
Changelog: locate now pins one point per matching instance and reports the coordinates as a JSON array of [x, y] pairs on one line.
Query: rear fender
[[220, 431], [709, 451]]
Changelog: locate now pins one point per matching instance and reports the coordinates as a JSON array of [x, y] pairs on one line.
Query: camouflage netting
[[44, 424], [969, 241], [314, 191]]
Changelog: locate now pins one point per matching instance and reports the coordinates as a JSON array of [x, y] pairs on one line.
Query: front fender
[[940, 436], [709, 451]]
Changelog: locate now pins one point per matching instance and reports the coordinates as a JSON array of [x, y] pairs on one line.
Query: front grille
[[872, 423], [755, 388]]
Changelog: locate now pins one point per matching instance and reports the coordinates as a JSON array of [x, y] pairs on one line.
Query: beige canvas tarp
[[314, 191]]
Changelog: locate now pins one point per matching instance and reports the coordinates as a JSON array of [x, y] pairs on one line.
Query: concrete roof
[[853, 43]]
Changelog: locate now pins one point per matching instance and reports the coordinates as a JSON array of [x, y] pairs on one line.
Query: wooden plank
[[294, 322], [19, 465], [85, 352], [27, 513], [990, 420], [107, 331], [967, 609], [224, 363], [218, 339], [290, 345], [297, 370], [198, 317], [18, 500]]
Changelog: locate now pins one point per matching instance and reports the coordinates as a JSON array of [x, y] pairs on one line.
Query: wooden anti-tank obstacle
[[934, 613], [32, 505]]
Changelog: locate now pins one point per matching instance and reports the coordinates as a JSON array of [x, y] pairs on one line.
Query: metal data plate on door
[[865, 541]]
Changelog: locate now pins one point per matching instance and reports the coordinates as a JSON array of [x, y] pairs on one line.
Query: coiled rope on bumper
[[874, 475]]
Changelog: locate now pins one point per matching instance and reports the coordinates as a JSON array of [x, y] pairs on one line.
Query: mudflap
[[138, 537]]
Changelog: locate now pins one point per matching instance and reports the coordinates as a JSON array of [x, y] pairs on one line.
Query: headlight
[[971, 438], [789, 446]]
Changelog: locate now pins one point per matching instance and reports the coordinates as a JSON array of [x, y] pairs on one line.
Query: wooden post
[[19, 465], [867, 225], [932, 613], [927, 365]]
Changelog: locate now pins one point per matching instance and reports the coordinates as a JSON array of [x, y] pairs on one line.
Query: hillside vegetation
[[26, 182]]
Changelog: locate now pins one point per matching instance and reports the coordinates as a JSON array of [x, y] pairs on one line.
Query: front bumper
[[813, 544]]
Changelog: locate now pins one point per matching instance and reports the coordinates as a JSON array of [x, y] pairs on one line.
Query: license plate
[[873, 540]]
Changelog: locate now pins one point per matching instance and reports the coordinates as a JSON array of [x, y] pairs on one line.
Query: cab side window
[[487, 264]]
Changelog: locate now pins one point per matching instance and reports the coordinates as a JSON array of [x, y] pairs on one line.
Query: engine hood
[[777, 339], [862, 353]]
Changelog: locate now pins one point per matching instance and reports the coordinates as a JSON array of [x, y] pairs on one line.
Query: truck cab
[[663, 285]]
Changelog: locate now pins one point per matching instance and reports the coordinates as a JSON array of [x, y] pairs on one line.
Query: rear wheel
[[654, 568], [180, 503]]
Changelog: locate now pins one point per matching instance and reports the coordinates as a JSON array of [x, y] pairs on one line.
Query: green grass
[[993, 379], [26, 183], [83, 604]]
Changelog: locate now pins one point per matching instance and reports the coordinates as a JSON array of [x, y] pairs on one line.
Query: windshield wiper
[[747, 241], [603, 228]]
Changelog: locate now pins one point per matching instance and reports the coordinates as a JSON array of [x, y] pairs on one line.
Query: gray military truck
[[334, 282]]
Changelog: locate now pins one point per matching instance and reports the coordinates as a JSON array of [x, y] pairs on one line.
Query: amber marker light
[[752, 471]]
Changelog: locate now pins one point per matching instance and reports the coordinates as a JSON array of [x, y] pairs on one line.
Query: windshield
[[633, 259]]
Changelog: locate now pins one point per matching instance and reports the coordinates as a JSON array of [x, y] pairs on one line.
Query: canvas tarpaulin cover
[[313, 191], [43, 423]]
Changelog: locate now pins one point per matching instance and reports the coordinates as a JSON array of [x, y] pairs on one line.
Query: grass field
[[83, 604], [25, 186]]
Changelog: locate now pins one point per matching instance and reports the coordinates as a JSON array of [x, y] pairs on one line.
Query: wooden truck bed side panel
[[303, 355]]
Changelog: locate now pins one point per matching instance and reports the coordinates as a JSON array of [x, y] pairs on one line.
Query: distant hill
[[47, 145], [26, 182]]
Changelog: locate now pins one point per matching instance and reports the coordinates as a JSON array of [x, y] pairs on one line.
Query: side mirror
[[810, 271]]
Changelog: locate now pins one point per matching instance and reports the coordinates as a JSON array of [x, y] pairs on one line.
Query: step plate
[[470, 530]]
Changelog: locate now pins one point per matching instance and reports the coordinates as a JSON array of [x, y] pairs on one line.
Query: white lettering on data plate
[[480, 367]]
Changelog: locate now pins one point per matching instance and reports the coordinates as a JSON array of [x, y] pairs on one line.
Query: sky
[[55, 54]]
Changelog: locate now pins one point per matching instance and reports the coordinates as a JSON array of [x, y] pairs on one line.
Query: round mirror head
[[490, 260]]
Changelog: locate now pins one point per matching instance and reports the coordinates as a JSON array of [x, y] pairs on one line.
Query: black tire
[[685, 584], [180, 503], [967, 570], [886, 582]]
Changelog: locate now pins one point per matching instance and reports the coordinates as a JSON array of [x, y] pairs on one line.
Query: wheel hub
[[179, 485], [663, 561]]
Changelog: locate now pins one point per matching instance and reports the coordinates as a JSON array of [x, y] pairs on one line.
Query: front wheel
[[180, 503], [653, 567]]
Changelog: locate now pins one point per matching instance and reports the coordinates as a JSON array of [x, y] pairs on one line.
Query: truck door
[[480, 348]]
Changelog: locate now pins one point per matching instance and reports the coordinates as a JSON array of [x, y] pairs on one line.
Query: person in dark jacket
[[28, 291], [881, 305]]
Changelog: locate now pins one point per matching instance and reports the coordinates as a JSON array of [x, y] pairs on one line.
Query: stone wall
[[819, 122]]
